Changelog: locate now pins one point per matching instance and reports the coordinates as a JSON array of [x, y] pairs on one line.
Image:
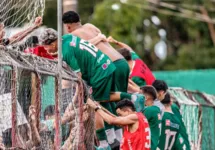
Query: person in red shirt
[[139, 71], [32, 46], [136, 134]]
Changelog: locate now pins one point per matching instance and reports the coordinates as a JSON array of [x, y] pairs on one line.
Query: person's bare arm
[[21, 35], [35, 137], [121, 121], [99, 38], [92, 27], [120, 44]]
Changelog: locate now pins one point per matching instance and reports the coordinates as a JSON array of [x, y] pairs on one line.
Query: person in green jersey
[[152, 114], [162, 88], [170, 126], [72, 22], [96, 69], [73, 25], [183, 141]]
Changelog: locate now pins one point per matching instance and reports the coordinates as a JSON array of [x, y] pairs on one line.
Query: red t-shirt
[[39, 51], [142, 71], [138, 140]]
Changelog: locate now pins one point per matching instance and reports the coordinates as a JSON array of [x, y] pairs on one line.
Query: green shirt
[[139, 81], [134, 56], [183, 131], [82, 56], [170, 127], [180, 143], [153, 115]]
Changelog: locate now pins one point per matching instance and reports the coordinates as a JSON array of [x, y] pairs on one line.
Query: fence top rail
[[31, 62]]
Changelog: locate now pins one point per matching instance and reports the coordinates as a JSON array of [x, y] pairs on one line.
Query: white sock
[[111, 136], [103, 144], [118, 133]]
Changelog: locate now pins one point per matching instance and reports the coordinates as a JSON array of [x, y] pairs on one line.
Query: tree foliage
[[189, 42]]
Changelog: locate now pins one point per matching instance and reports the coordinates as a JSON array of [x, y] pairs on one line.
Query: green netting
[[198, 97], [208, 128], [201, 80], [210, 98], [207, 123], [189, 111], [190, 117], [48, 92], [181, 97]]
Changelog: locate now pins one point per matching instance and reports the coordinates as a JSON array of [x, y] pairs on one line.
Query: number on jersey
[[169, 134], [84, 45], [148, 139]]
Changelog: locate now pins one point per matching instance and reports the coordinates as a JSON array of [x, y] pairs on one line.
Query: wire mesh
[[29, 108]]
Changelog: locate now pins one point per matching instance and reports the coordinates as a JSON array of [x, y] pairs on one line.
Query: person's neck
[[76, 26], [168, 109], [131, 63], [150, 104]]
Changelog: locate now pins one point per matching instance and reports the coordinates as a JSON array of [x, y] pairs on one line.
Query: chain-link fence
[[32, 117]]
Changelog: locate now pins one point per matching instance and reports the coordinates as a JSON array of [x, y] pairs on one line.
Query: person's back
[[139, 139], [89, 31], [80, 54], [170, 126], [183, 131], [153, 116]]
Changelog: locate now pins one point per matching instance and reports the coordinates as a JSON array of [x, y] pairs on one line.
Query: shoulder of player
[[132, 117], [89, 25], [152, 109]]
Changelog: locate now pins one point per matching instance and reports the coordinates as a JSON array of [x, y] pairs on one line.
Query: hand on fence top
[[110, 39], [91, 103], [38, 21]]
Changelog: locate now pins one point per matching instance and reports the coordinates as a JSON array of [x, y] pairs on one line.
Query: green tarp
[[201, 80]]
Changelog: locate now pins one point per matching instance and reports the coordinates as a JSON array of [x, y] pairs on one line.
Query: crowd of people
[[133, 110]]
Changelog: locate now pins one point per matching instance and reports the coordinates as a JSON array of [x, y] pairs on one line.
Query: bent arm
[[96, 40], [21, 35], [120, 44], [121, 121]]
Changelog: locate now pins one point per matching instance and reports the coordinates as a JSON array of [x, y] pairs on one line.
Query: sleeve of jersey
[[138, 81], [147, 114], [134, 56], [70, 59]]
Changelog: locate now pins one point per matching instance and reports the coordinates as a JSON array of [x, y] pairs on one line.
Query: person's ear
[[53, 45]]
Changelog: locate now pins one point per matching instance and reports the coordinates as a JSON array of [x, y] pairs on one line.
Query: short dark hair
[[125, 53], [70, 17], [160, 85], [49, 111], [32, 41], [125, 103], [167, 99], [149, 90]]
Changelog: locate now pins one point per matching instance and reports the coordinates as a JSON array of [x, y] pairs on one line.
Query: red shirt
[[138, 140], [39, 51], [142, 71]]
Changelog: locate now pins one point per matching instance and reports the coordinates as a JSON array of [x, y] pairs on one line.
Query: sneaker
[[139, 101], [101, 148]]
